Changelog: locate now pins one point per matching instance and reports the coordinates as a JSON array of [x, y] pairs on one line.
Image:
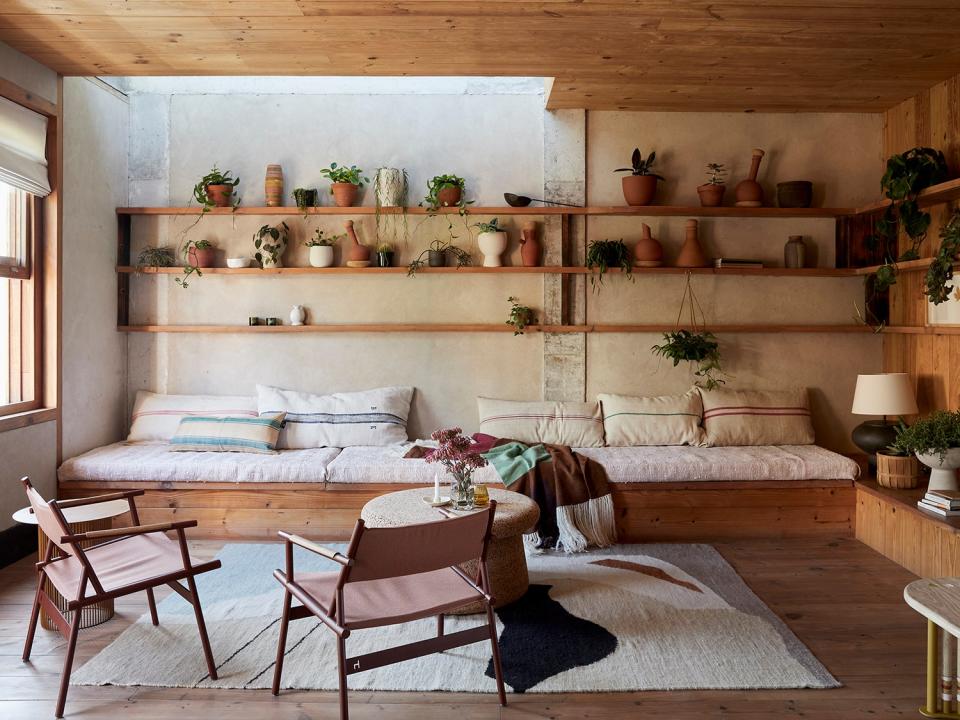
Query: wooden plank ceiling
[[702, 55]]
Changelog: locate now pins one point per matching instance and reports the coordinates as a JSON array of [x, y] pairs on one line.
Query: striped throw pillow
[[756, 417], [157, 416], [577, 424], [663, 420], [228, 434]]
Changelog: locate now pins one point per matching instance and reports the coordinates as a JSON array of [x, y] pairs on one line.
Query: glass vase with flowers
[[455, 452]]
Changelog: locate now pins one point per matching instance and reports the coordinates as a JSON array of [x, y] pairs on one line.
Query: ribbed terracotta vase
[[273, 186]]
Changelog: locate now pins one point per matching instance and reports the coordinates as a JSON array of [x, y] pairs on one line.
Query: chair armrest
[[125, 531], [97, 499], [313, 547]]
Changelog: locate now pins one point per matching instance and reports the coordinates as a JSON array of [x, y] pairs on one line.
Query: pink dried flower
[[455, 453]]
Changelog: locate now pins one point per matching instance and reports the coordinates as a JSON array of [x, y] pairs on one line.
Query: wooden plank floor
[[841, 598]]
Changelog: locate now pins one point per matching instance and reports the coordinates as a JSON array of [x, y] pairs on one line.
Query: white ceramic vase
[[297, 315], [943, 473], [390, 186], [492, 245], [266, 257], [321, 255]]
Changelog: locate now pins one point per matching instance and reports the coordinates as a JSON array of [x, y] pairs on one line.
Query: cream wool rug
[[633, 617]]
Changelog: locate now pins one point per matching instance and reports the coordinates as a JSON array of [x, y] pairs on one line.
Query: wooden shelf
[[944, 192], [482, 328], [902, 266], [922, 329], [471, 269]]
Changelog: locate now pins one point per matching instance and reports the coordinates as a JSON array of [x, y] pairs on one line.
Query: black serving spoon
[[523, 201]]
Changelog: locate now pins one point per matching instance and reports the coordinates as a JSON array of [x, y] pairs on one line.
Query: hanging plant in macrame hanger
[[693, 344]]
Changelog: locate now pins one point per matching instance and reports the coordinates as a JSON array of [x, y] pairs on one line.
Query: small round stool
[[506, 561]]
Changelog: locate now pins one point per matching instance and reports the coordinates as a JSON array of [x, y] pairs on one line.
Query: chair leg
[[439, 625], [68, 663], [342, 670], [495, 647], [34, 617], [152, 602], [282, 643], [202, 627]]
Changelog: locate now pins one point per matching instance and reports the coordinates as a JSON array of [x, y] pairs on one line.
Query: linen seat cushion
[[756, 417], [374, 603], [662, 420], [367, 417], [157, 417], [228, 434], [119, 564], [577, 424], [386, 464]]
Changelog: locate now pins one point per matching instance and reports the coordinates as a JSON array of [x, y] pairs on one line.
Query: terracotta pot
[[530, 247], [711, 194], [344, 194], [203, 258], [795, 194], [220, 195], [357, 252], [749, 192], [639, 189], [648, 251], [691, 254], [449, 196], [273, 186]]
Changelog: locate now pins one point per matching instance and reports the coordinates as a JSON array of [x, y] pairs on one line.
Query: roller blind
[[23, 144]]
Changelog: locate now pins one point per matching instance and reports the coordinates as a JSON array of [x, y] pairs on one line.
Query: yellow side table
[[939, 602]]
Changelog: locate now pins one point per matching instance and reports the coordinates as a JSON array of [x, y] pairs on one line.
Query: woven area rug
[[634, 617]]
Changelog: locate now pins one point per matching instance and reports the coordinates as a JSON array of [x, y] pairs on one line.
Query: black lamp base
[[874, 436]]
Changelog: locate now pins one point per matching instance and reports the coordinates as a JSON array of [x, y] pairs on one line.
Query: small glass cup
[[481, 497]]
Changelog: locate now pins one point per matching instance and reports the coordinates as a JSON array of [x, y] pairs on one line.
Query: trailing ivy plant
[[305, 198], [606, 254], [188, 267], [937, 433], [440, 182], [214, 177], [444, 246], [940, 272], [906, 175], [267, 241], [699, 347], [520, 316]]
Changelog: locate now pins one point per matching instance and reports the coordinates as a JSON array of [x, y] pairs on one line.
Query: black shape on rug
[[541, 639]]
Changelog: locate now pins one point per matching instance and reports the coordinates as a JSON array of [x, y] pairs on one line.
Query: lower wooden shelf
[[482, 328]]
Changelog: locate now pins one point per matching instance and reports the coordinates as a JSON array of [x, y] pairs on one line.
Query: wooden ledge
[[28, 418], [906, 501]]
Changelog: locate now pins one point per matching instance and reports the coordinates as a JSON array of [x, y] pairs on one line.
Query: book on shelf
[[936, 509], [950, 497], [722, 262], [933, 497]]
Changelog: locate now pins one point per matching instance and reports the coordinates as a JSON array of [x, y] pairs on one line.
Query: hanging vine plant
[[906, 175], [695, 344], [606, 254], [938, 287]]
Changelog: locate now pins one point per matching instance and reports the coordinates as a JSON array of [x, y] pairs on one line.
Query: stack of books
[[722, 262], [945, 503]]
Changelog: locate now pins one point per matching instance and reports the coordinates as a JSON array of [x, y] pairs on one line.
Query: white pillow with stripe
[[157, 417], [228, 434], [756, 417], [577, 424], [662, 420], [367, 417]]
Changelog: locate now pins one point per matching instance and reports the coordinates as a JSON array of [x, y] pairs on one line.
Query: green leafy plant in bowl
[[321, 239], [520, 316], [446, 191], [605, 254], [699, 347], [189, 267], [342, 174], [216, 189], [934, 435]]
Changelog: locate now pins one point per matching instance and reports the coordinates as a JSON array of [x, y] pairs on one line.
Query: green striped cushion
[[663, 420], [228, 434]]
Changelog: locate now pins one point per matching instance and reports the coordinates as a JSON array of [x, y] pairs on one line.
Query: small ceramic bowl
[[238, 262]]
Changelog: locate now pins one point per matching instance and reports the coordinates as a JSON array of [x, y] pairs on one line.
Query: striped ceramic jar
[[273, 186]]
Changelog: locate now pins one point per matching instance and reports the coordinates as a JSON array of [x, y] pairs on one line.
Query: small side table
[[81, 519], [939, 602]]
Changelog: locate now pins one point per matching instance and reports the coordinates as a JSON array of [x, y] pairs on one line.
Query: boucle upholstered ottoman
[[516, 514]]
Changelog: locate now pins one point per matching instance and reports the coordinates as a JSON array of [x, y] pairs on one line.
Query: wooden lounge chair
[[120, 562], [390, 576]]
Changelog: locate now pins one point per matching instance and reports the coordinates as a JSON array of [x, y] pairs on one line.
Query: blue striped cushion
[[228, 434]]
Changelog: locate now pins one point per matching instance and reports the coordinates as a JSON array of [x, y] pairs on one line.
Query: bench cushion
[[662, 420], [157, 416], [387, 465], [734, 418], [153, 462]]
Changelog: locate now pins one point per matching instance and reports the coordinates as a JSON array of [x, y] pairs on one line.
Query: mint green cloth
[[513, 460]]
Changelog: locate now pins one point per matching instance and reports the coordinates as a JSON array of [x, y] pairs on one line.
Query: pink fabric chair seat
[[388, 601], [119, 564]]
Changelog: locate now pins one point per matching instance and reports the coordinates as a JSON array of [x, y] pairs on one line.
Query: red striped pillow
[[756, 417]]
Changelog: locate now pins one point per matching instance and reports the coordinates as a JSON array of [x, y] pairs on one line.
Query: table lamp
[[886, 394]]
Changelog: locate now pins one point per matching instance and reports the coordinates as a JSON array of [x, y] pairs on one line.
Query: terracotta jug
[[530, 247], [691, 254], [273, 186], [749, 192], [359, 254], [648, 251]]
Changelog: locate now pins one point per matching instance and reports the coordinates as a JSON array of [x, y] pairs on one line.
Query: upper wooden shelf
[[613, 210], [944, 192], [485, 328]]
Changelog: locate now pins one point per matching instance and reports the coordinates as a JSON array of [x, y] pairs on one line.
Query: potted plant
[[390, 187], [711, 192], [270, 242], [455, 452], [605, 254], [437, 254], [216, 189], [384, 255], [446, 191], [196, 254], [640, 185], [520, 316], [492, 241], [935, 440], [304, 199], [345, 183], [940, 272], [321, 248], [155, 257]]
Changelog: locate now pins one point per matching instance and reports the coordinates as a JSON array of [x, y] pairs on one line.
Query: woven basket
[[898, 471]]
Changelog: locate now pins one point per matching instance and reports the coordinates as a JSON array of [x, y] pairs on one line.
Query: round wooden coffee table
[[506, 561], [80, 519]]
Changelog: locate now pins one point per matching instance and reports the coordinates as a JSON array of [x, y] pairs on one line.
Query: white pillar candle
[[436, 487]]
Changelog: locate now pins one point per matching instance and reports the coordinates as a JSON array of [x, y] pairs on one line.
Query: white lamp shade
[[885, 394]]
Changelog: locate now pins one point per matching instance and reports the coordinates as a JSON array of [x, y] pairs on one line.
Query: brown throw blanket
[[572, 492]]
